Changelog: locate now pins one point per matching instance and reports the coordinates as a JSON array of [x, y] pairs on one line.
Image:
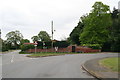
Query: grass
[[111, 63], [44, 54], [48, 54]]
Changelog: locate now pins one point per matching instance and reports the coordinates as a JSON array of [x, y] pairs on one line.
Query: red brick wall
[[47, 50], [86, 50], [68, 49]]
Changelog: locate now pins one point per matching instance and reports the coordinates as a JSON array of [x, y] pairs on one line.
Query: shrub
[[61, 44], [25, 47], [93, 46], [4, 48]]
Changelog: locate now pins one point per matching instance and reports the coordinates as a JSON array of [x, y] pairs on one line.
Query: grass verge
[[50, 54], [44, 54], [111, 63]]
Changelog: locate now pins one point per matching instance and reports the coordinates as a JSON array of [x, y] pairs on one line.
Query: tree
[[96, 25], [74, 35], [44, 36], [35, 38], [14, 38], [25, 47], [4, 46], [114, 31], [1, 41], [25, 41]]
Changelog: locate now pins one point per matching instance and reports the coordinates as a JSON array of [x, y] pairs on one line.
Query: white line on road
[[12, 58]]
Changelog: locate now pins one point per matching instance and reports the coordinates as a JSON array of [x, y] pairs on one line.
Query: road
[[65, 66]]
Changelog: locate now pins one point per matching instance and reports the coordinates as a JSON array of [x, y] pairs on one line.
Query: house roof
[[31, 43]]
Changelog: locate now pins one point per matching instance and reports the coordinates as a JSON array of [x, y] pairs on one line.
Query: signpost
[[35, 46]]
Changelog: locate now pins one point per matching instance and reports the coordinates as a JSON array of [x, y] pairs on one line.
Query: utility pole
[[52, 34], [52, 29], [0, 33]]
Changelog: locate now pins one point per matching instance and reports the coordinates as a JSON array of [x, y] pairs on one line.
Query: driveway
[[66, 66]]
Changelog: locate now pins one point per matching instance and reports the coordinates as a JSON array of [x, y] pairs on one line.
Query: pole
[[52, 29], [35, 49], [52, 34], [0, 33]]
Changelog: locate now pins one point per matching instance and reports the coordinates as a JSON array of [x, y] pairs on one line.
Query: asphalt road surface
[[65, 66]]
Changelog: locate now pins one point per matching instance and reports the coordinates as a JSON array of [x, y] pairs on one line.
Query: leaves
[[14, 37], [95, 30], [74, 35], [35, 38], [44, 36]]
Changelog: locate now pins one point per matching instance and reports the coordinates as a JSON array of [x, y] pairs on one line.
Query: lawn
[[111, 63], [48, 54], [44, 54]]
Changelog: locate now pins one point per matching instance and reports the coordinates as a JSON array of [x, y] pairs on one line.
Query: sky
[[32, 16]]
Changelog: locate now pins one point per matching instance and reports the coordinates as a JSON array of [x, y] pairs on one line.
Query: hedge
[[25, 47]]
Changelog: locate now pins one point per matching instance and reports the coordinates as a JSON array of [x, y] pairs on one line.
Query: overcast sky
[[32, 16]]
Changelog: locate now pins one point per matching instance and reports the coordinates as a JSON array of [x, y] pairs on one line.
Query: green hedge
[[25, 47], [93, 46], [60, 44]]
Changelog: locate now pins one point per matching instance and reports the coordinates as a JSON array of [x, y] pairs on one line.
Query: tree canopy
[[96, 28], [25, 41], [35, 38], [115, 31], [14, 37], [44, 36], [74, 35]]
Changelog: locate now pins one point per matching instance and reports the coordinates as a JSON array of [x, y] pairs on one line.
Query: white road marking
[[12, 58]]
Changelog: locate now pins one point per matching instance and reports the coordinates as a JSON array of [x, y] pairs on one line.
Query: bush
[[61, 44], [25, 47], [93, 46], [4, 48]]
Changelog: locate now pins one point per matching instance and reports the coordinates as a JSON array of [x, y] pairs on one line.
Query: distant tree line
[[99, 29], [15, 40]]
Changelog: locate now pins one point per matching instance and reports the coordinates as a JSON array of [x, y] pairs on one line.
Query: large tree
[[14, 38], [74, 35], [35, 38], [96, 25], [25, 41], [115, 31], [113, 43], [44, 36]]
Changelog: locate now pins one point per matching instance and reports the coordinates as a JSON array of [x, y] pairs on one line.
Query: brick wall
[[68, 49], [86, 50]]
